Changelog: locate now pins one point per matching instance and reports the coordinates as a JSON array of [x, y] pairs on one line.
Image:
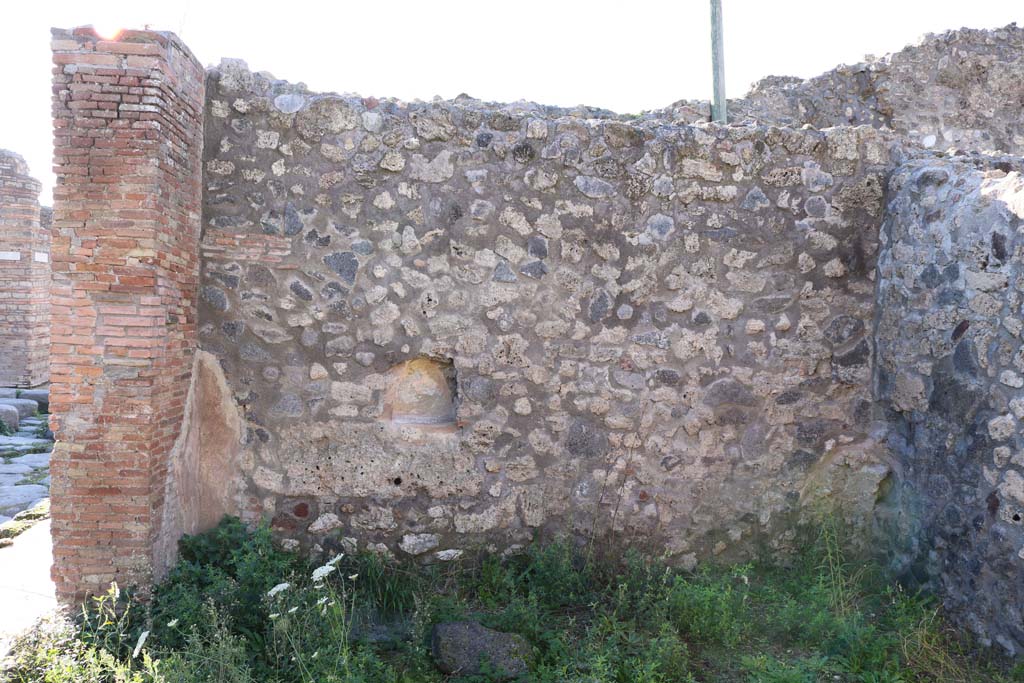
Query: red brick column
[[24, 278], [127, 116]]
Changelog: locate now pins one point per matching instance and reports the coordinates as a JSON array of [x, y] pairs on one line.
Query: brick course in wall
[[127, 149], [24, 278]]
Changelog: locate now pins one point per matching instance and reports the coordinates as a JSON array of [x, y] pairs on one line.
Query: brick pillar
[[24, 278], [127, 116]]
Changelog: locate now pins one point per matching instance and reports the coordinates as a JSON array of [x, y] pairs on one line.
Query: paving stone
[[19, 498], [11, 446], [34, 460]]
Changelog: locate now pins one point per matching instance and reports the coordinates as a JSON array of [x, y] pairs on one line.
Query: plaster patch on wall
[[204, 480]]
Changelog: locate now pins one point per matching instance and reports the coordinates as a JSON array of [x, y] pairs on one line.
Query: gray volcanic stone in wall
[[950, 372]]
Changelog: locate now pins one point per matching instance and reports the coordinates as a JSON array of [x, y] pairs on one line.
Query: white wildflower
[[275, 615], [138, 645], [322, 600], [321, 572], [353, 577], [277, 589], [335, 561], [172, 623], [315, 654], [293, 610]]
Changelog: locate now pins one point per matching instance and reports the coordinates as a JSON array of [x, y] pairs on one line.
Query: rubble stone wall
[[24, 278], [425, 328], [962, 89], [457, 323], [950, 375]]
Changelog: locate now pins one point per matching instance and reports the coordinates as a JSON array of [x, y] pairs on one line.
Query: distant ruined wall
[[950, 373], [24, 278], [961, 89], [457, 323]]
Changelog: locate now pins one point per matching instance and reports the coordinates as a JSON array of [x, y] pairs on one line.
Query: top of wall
[[12, 163], [14, 176], [132, 45], [961, 89]]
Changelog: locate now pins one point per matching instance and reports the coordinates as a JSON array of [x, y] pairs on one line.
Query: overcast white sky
[[627, 55]]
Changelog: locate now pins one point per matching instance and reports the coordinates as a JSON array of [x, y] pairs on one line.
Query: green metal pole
[[718, 112]]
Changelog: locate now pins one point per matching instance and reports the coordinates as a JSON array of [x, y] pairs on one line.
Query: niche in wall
[[422, 392]]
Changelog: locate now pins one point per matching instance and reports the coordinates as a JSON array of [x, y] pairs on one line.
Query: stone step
[[26, 407], [10, 417], [40, 396], [8, 393]]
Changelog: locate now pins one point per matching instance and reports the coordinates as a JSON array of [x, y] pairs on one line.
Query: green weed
[[237, 610]]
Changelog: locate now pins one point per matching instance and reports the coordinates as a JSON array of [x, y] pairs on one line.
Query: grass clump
[[236, 610]]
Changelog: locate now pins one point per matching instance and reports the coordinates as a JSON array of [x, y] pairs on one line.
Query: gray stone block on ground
[[462, 647], [34, 460], [8, 393], [14, 468], [40, 396], [18, 498], [11, 446], [9, 416], [26, 408]]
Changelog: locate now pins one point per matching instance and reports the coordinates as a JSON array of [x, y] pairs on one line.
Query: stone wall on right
[[949, 374]]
